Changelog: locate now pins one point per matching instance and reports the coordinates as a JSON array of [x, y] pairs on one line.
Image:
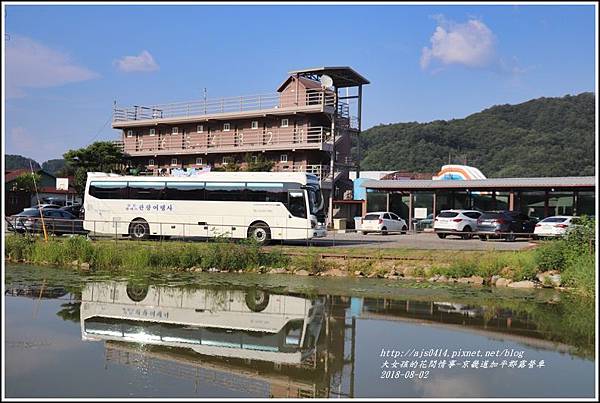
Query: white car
[[456, 222], [382, 222], [554, 226]]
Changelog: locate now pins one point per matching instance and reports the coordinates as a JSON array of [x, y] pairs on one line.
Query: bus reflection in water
[[249, 324]]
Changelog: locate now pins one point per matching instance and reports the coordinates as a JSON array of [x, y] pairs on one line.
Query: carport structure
[[537, 197]]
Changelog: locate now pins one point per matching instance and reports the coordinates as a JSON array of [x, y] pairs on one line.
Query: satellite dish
[[326, 81]]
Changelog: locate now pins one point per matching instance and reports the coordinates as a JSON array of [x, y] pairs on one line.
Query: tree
[[260, 165], [55, 167], [26, 181], [101, 156]]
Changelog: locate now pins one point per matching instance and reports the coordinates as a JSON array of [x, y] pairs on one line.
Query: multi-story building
[[306, 126]]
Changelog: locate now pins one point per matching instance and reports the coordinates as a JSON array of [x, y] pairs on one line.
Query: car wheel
[[510, 237], [468, 234], [260, 233], [139, 229], [364, 232], [483, 237], [137, 292], [404, 229], [441, 236], [384, 231]]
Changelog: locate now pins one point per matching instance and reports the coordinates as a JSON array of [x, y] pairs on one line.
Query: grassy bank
[[571, 258]]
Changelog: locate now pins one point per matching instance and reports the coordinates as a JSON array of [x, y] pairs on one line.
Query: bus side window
[[296, 203]]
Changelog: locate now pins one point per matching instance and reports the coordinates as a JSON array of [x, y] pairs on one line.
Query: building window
[[199, 161], [254, 124], [173, 161], [152, 132], [175, 130], [200, 129], [150, 162], [226, 127], [283, 158], [284, 122], [129, 133]]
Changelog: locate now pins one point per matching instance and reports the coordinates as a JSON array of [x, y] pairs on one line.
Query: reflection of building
[[537, 197]]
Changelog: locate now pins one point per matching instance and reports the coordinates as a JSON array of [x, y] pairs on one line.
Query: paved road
[[423, 240]]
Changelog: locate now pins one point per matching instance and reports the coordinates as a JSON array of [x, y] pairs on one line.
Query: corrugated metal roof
[[343, 76], [494, 183]]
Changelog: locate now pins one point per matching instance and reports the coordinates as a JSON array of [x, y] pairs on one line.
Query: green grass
[[143, 255]]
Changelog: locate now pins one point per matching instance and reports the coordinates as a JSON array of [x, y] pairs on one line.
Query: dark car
[[56, 221], [74, 209], [509, 225]]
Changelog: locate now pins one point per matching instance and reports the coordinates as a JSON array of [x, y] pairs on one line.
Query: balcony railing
[[277, 138], [320, 171], [226, 105]]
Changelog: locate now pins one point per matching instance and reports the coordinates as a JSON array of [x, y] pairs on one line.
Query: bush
[[580, 273], [18, 247], [312, 263], [551, 255]]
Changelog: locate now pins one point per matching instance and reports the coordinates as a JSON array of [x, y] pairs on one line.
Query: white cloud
[[471, 44], [143, 62], [29, 64]]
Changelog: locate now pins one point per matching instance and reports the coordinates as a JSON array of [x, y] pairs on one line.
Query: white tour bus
[[258, 205], [249, 324]]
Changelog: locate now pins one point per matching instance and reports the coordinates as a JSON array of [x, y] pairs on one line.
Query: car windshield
[[555, 219], [447, 214], [372, 217], [30, 213]]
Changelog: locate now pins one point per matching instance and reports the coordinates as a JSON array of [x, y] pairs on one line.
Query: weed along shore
[[566, 264]]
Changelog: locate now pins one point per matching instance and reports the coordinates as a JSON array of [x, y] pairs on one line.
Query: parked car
[[425, 223], [555, 226], [509, 225], [56, 221], [382, 222], [44, 206], [75, 209], [456, 222]]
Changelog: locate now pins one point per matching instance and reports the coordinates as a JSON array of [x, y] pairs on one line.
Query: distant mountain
[[541, 137], [54, 166], [18, 161]]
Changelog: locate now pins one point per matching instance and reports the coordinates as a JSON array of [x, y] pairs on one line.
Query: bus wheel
[[260, 233], [137, 292], [257, 300], [139, 229]]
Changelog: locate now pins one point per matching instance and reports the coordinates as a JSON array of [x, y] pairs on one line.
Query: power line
[[102, 128]]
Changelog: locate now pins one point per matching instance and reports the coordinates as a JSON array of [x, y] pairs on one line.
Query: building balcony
[[317, 138], [320, 171], [228, 108]]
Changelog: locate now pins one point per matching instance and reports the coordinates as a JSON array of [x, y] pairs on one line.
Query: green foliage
[[260, 165], [18, 247], [311, 262], [13, 161], [55, 166], [101, 156], [580, 273], [551, 255], [28, 181], [502, 141]]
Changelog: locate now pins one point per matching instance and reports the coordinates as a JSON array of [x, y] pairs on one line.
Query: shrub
[[580, 273], [551, 255], [18, 247]]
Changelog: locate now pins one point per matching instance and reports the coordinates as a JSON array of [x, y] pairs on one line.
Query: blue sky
[[66, 64]]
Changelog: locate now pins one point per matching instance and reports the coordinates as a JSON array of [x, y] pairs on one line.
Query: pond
[[207, 335]]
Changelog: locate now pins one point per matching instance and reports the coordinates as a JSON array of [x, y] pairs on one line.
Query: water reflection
[[252, 342]]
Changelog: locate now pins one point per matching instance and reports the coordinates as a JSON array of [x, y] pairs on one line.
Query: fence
[[205, 231]]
